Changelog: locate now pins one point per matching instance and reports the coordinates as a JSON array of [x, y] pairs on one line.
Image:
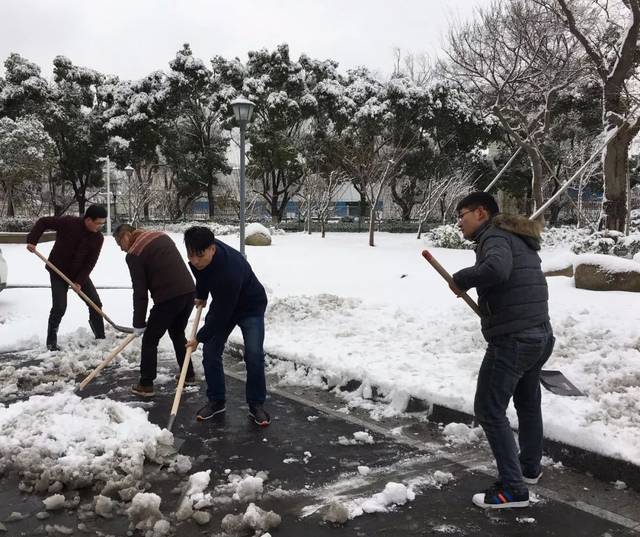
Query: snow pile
[[75, 442], [54, 371], [195, 497], [459, 434], [382, 502], [242, 488], [359, 437], [144, 514], [253, 520]]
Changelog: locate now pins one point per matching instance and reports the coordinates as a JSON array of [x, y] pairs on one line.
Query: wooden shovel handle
[[107, 360], [442, 271], [185, 368], [81, 293]]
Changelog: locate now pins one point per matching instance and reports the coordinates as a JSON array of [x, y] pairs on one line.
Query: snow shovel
[[183, 376], [106, 361], [554, 381], [82, 295]]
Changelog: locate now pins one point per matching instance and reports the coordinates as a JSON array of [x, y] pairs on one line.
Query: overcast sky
[[131, 38]]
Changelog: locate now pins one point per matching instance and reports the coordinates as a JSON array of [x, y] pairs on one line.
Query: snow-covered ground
[[383, 316]]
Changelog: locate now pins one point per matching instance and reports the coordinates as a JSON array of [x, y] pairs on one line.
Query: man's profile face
[[200, 260], [94, 225], [470, 220]]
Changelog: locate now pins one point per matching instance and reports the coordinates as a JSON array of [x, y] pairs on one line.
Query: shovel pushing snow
[[554, 381], [183, 371], [82, 295], [107, 361]]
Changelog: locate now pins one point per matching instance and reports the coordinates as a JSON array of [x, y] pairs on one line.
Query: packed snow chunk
[[78, 441], [254, 520], [194, 497], [382, 502], [144, 511], [459, 433], [359, 437], [620, 485], [249, 489], [57, 501], [525, 520], [442, 478], [337, 513], [364, 470], [201, 517], [104, 506], [58, 529], [15, 516], [257, 235], [161, 528], [181, 465]]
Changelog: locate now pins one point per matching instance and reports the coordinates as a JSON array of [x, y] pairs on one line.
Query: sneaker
[[259, 415], [529, 480], [500, 497], [144, 391], [212, 408], [190, 380]]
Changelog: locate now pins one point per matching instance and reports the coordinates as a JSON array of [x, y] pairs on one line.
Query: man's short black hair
[[198, 238], [95, 211], [479, 199]]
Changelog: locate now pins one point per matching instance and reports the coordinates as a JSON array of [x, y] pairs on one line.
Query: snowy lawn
[[384, 316]]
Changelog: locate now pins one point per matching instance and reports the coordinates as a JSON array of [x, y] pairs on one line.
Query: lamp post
[[242, 110], [129, 171], [108, 197]]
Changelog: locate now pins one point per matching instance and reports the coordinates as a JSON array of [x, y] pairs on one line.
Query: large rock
[[257, 235], [566, 271], [607, 273]]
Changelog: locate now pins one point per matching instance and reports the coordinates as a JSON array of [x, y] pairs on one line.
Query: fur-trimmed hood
[[529, 231]]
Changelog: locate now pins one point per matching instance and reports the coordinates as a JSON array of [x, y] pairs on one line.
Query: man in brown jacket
[[156, 267], [75, 252]]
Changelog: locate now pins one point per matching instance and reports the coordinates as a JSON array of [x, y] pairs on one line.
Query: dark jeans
[[59, 289], [511, 368], [253, 335], [172, 315]]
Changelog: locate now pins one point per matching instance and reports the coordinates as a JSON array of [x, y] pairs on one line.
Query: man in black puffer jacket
[[513, 301]]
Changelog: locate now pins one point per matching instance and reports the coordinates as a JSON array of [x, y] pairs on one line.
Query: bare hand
[[200, 302], [192, 344], [77, 287], [31, 247], [456, 290]]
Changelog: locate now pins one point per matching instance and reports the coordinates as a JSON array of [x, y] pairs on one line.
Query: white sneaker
[[532, 480]]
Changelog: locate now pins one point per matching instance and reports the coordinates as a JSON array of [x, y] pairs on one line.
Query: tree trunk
[[372, 221], [322, 226], [8, 188], [614, 166], [536, 180]]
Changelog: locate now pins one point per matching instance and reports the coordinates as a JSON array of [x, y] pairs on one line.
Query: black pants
[[172, 315], [59, 289]]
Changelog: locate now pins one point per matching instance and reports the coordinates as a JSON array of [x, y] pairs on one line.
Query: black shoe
[[190, 380], [212, 408], [500, 497], [53, 347], [532, 479], [144, 391], [259, 415]]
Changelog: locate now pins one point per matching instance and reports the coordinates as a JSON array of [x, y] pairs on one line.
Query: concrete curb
[[599, 466]]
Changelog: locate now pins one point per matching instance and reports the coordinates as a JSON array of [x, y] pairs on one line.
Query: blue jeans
[[511, 368], [253, 336]]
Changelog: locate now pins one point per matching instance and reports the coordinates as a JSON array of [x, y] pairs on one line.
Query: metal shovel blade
[[557, 383]]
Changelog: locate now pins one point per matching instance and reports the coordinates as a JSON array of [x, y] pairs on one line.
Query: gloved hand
[[139, 331]]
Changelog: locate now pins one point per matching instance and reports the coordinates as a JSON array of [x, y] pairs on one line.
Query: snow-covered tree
[[26, 154]]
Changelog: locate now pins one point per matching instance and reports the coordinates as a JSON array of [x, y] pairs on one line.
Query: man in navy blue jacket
[[238, 299]]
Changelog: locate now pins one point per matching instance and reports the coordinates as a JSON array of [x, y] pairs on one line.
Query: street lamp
[[242, 109], [106, 159], [129, 171]]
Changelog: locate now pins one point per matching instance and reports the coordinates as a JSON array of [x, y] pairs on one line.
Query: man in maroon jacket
[[75, 252], [157, 268]]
